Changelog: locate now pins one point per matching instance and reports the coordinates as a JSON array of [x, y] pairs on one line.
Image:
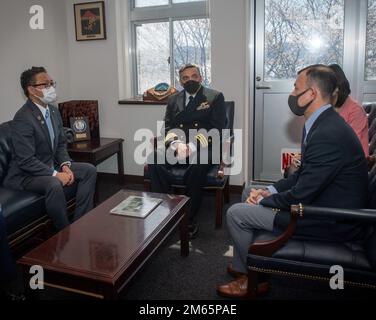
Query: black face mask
[[192, 86], [294, 105]]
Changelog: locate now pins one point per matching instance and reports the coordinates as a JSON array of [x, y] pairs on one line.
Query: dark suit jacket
[[207, 111], [33, 154], [333, 174]]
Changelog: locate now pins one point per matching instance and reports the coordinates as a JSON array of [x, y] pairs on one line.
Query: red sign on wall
[[287, 155]]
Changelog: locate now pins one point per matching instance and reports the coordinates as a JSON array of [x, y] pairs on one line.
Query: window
[[300, 33], [371, 42], [166, 35]]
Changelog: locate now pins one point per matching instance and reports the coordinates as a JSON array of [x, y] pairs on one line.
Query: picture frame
[[90, 21]]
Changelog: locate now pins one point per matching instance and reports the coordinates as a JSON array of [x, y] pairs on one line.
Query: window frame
[[164, 13]]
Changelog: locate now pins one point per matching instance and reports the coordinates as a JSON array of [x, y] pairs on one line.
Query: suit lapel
[[322, 116], [42, 123], [181, 101]]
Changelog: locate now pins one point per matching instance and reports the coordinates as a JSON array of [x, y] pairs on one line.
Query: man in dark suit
[[199, 110], [333, 173], [40, 160]]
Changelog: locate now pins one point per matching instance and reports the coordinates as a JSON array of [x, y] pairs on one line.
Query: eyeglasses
[[46, 85]]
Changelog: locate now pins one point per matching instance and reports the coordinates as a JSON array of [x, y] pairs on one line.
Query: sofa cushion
[[21, 208], [346, 254], [5, 149]]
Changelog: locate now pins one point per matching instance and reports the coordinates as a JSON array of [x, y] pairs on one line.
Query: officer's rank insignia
[[203, 106]]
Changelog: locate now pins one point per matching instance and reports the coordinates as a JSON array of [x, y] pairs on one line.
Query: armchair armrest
[[320, 213], [371, 161], [227, 144], [268, 248]]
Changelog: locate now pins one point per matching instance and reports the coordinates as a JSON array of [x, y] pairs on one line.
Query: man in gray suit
[[40, 161]]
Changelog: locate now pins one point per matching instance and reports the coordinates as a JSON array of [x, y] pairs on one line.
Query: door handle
[[263, 87]]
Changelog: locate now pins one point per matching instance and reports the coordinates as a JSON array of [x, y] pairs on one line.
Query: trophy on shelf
[[160, 93]]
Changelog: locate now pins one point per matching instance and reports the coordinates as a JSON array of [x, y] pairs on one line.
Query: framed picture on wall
[[90, 21]]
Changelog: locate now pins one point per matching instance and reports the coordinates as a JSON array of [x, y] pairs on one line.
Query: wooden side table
[[98, 150]]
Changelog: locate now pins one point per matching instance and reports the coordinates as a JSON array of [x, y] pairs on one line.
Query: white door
[[290, 34]]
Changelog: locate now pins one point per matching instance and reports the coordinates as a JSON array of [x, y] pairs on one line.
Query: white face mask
[[49, 95]]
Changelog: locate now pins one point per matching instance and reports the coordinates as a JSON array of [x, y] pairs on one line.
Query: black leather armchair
[[24, 212], [370, 108], [215, 179], [289, 256]]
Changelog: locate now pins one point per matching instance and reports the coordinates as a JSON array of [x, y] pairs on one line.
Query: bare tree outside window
[[153, 50], [371, 42], [300, 33], [192, 45], [166, 35]]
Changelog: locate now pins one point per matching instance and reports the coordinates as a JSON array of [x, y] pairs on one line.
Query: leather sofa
[[24, 212]]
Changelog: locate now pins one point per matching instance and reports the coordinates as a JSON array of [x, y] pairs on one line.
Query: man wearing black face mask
[[195, 108], [333, 173]]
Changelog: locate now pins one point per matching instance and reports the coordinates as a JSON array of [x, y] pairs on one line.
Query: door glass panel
[[299, 33], [371, 42]]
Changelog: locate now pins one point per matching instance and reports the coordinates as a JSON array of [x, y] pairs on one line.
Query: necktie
[[190, 102], [49, 126], [303, 138]]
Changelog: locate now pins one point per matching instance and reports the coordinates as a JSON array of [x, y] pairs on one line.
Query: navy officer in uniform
[[195, 108]]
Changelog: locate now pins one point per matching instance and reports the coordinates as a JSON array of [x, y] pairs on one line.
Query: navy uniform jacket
[[33, 154], [333, 173], [207, 111]]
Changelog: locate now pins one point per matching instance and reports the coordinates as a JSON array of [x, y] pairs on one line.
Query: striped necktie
[[49, 126]]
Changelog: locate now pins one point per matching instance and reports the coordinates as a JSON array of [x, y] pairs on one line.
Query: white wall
[[93, 74], [21, 48], [229, 43]]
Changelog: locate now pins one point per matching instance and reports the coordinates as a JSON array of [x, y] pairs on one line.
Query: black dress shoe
[[192, 231]]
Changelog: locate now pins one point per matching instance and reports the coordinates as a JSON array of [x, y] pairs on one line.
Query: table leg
[[184, 241], [121, 163], [109, 293]]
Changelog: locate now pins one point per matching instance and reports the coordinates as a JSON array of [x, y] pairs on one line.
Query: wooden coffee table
[[99, 254]]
